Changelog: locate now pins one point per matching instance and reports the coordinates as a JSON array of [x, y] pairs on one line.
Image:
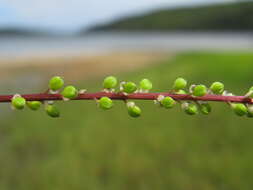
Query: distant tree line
[[227, 16]]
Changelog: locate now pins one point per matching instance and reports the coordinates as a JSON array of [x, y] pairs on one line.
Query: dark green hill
[[229, 16], [6, 32]]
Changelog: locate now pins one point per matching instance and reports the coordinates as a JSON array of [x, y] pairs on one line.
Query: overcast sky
[[71, 15]]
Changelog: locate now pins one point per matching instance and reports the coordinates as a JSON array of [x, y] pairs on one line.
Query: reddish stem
[[136, 96]]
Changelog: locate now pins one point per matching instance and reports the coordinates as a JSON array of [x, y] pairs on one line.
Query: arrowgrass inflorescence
[[193, 102]]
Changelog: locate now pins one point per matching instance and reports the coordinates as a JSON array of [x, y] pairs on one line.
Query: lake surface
[[97, 43]]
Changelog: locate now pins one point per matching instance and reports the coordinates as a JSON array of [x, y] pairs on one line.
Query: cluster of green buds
[[191, 105], [110, 83], [194, 107], [216, 88], [179, 87], [55, 85], [19, 103], [68, 92], [241, 109], [145, 85]]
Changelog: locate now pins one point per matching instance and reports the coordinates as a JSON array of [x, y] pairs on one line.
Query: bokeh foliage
[[89, 148]]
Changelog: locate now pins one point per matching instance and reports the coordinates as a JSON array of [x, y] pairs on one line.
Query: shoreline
[[106, 43], [79, 66]]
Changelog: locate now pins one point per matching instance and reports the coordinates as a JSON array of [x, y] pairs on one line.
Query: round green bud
[[181, 92], [146, 84], [56, 83], [199, 90], [129, 87], [249, 114], [52, 111], [205, 108], [18, 102], [168, 102], [250, 93], [134, 111], [179, 83], [250, 111], [217, 88], [239, 109], [69, 92], [110, 82], [34, 105], [105, 103], [190, 109]]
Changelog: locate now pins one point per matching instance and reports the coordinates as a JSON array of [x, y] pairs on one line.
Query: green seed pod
[[179, 83], [129, 87], [239, 109], [190, 109], [52, 111], [18, 102], [33, 105], [250, 114], [205, 108], [69, 92], [133, 110], [56, 83], [146, 84], [105, 103], [217, 88], [110, 82], [168, 102], [199, 90], [250, 111], [250, 93], [180, 92]]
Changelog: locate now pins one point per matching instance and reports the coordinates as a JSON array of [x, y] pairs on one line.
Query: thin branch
[[136, 96]]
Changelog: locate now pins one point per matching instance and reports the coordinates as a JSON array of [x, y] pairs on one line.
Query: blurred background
[[87, 148]]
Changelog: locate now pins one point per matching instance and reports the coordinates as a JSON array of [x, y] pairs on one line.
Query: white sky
[[73, 14]]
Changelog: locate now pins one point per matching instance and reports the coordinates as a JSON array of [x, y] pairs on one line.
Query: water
[[97, 43]]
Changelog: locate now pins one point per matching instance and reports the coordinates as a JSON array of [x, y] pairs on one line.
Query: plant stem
[[136, 96]]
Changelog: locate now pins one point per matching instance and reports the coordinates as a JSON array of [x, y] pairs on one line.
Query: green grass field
[[88, 148]]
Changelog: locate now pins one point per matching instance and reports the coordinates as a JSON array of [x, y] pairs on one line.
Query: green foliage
[[94, 150]]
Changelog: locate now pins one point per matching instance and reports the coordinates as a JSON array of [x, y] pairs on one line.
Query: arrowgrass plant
[[193, 101]]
